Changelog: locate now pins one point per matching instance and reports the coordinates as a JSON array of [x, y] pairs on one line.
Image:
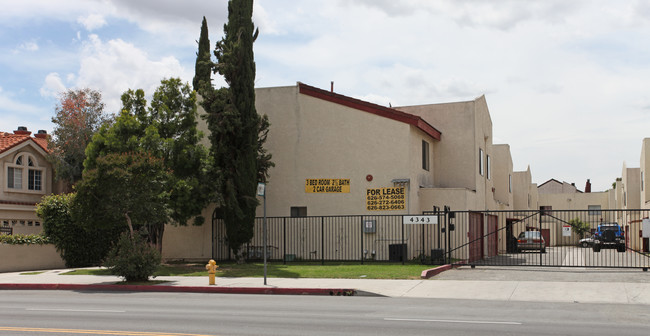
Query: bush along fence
[[542, 237], [21, 239]]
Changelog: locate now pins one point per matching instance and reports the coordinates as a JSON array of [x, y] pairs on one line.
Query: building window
[[18, 180], [34, 181], [510, 183], [14, 178], [489, 167], [480, 162], [425, 155], [594, 210], [298, 211]]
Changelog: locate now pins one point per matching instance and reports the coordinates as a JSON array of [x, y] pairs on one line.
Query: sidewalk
[[547, 285]]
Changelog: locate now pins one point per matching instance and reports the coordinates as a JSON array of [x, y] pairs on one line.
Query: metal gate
[[554, 238]]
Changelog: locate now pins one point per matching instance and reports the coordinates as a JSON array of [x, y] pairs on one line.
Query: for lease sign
[[379, 199]]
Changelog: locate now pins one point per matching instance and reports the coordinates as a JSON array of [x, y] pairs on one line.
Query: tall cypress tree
[[203, 66], [235, 125]]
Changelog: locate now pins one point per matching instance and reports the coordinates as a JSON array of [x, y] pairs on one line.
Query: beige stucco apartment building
[[470, 173], [442, 154], [320, 140], [334, 155]]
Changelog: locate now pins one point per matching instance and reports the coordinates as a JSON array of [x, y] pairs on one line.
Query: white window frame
[[488, 167], [481, 162], [25, 169], [426, 156]]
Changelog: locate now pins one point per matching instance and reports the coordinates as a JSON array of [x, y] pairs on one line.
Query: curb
[[184, 289], [426, 274]]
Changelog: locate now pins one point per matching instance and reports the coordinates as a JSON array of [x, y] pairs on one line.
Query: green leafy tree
[[579, 227], [237, 131], [79, 114], [79, 245], [165, 130], [203, 66], [123, 190]]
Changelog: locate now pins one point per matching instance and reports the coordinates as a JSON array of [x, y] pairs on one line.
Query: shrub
[[133, 258], [79, 245], [20, 239], [579, 227]]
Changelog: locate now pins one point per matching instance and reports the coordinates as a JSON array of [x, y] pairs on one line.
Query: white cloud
[[92, 21], [17, 113], [263, 20], [29, 46], [175, 22], [52, 86], [115, 66]]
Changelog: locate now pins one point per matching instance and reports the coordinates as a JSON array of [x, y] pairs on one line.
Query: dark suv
[[609, 235]]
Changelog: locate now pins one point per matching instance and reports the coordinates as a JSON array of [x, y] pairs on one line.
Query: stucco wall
[[189, 242], [575, 201], [502, 172], [457, 148], [467, 129], [644, 170], [631, 192], [457, 199], [16, 258], [556, 187], [311, 138], [521, 191]]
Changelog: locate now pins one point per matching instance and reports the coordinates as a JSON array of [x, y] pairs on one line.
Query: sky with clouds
[[566, 81]]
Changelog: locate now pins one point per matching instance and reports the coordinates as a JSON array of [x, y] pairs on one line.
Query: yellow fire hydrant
[[212, 269]]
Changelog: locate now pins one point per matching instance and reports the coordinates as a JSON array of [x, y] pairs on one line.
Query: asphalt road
[[73, 313]]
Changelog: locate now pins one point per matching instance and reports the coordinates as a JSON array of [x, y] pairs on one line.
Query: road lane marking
[[77, 310], [95, 332], [452, 321]]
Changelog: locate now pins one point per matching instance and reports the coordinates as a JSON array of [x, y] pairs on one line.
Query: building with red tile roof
[[26, 177]]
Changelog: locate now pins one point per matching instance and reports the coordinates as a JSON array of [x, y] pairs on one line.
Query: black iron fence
[[338, 238], [523, 238]]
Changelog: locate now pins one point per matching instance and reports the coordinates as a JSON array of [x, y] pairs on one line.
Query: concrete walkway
[[502, 284]]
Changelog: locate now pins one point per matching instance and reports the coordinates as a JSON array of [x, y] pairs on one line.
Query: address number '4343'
[[420, 219]]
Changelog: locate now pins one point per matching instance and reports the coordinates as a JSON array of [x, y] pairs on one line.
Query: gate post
[[539, 227], [404, 249], [322, 240], [361, 237]]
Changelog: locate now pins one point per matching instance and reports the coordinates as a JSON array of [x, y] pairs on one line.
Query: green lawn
[[290, 270]]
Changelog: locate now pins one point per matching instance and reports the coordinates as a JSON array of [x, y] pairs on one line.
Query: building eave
[[365, 106]]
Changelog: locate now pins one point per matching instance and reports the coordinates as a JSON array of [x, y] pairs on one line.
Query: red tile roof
[[10, 140]]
